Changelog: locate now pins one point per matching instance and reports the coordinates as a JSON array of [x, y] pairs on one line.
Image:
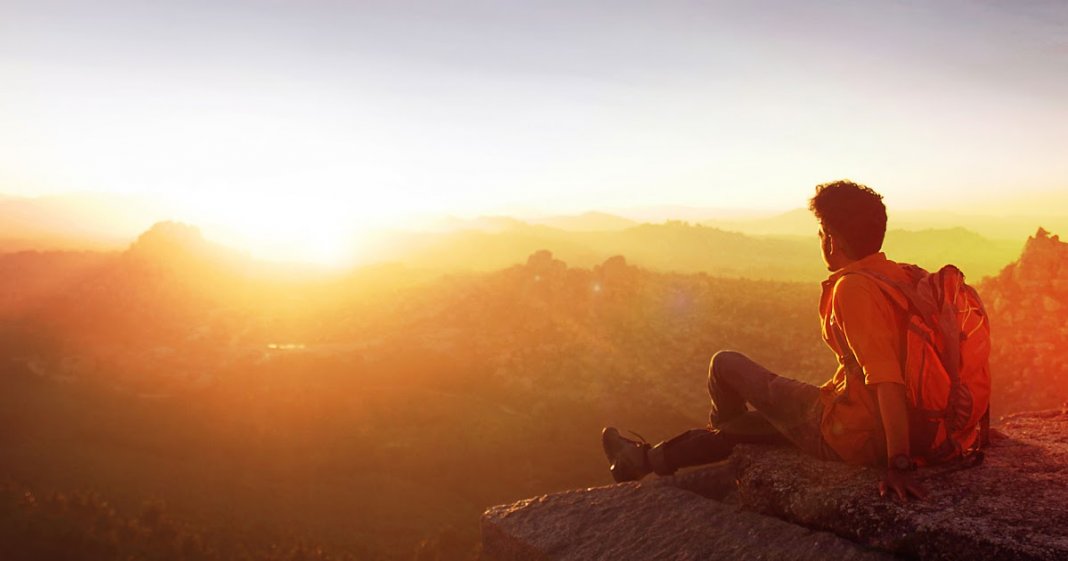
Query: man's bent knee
[[722, 361]]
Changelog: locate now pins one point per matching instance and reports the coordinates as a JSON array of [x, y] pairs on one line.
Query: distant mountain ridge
[[587, 222], [684, 247], [801, 222], [779, 248], [78, 221], [94, 220]]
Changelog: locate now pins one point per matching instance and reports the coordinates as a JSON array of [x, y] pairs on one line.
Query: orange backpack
[[947, 364]]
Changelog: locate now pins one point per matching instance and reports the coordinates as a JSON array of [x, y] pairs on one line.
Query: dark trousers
[[750, 404]]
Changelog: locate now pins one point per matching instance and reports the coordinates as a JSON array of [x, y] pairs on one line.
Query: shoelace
[[640, 437]]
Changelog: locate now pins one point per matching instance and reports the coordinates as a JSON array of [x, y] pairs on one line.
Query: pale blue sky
[[320, 107]]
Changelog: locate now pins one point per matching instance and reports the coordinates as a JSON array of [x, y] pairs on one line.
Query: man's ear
[[835, 246]]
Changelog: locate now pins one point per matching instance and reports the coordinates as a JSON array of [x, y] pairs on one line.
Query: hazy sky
[[366, 110]]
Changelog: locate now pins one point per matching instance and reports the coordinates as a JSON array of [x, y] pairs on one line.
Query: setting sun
[[303, 228]]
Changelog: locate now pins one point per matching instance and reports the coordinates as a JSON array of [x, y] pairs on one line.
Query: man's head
[[852, 221]]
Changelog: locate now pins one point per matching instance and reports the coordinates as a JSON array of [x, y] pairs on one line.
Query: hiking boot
[[628, 458]]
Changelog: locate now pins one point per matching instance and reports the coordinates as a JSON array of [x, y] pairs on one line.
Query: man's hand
[[901, 484], [893, 408]]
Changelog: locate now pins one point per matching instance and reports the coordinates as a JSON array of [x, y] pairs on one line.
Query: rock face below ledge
[[636, 522], [774, 503]]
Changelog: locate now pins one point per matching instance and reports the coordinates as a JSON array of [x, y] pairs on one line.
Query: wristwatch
[[902, 462]]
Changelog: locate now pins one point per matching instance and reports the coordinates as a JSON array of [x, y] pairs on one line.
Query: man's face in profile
[[825, 247]]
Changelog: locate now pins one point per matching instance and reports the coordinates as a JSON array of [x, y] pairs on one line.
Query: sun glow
[[328, 231]]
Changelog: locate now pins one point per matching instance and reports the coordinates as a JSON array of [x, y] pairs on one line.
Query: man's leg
[[786, 411], [705, 446], [788, 407], [631, 460]]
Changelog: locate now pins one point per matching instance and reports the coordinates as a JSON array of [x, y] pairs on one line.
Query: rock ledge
[[774, 503]]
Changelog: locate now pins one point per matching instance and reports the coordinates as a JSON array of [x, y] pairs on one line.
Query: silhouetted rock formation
[[1010, 507], [1028, 305], [177, 245]]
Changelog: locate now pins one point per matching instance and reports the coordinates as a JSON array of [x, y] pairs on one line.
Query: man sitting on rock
[[859, 416]]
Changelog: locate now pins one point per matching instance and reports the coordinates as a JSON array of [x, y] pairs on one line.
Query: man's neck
[[841, 263]]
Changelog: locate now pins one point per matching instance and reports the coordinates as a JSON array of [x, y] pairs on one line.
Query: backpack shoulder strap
[[928, 305], [923, 304]]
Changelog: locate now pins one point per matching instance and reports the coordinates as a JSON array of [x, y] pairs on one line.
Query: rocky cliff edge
[[774, 503]]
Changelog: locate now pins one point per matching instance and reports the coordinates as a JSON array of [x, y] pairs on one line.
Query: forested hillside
[[375, 413]]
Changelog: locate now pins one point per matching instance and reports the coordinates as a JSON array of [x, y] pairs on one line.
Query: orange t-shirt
[[859, 320]]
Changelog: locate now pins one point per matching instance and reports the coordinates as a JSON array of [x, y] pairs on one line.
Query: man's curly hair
[[853, 213]]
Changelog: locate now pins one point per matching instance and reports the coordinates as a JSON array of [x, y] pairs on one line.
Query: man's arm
[[867, 321], [893, 408]]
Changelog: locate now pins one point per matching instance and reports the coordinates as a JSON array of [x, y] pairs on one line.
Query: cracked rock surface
[[1013, 506], [774, 503]]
